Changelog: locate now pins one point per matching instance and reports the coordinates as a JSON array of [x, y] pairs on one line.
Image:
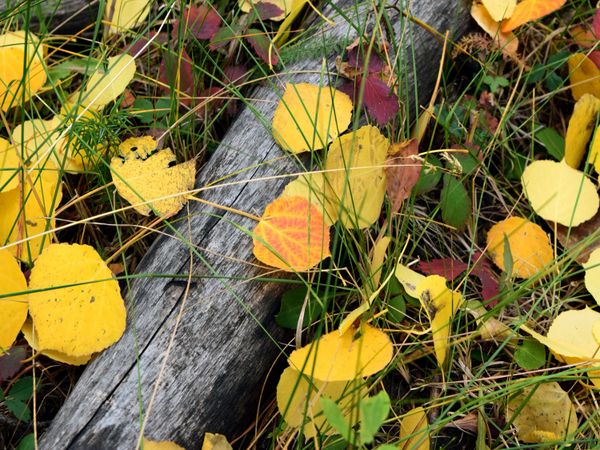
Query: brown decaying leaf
[[580, 239], [402, 172]]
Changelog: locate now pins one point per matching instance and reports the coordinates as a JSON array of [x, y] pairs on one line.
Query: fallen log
[[226, 340]]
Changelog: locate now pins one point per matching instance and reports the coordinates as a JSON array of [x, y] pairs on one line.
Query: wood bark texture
[[227, 339]]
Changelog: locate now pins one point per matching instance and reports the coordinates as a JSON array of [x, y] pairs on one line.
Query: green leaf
[[553, 141], [143, 109], [373, 412], [468, 161], [454, 202], [27, 443], [335, 418], [508, 259], [18, 408], [430, 176], [22, 389], [64, 69], [530, 354], [396, 308], [163, 107], [291, 307], [387, 447], [495, 82]]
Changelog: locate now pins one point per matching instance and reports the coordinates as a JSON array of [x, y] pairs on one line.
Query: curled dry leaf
[[580, 129], [291, 235], [356, 177], [22, 71], [529, 245], [414, 430], [13, 300], [584, 76], [572, 340], [559, 193], [215, 441], [506, 41], [308, 117], [123, 15], [27, 213], [76, 306], [31, 338], [298, 401], [148, 181], [344, 356], [580, 241], [542, 413], [529, 10], [402, 172]]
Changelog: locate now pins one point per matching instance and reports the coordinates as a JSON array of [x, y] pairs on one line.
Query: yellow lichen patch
[[22, 71], [414, 430], [215, 441], [122, 15], [106, 85], [409, 279], [285, 6], [298, 401], [584, 76], [592, 275], [41, 144], [581, 126], [160, 445], [507, 42], [27, 213], [529, 245], [344, 356], [308, 117], [499, 9], [355, 175], [10, 164], [13, 299], [31, 338], [148, 182], [440, 303], [542, 413], [77, 309], [559, 193], [312, 186]]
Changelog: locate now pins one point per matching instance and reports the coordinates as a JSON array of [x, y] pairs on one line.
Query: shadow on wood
[[227, 340]]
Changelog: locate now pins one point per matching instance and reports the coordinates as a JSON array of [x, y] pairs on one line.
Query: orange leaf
[[529, 10], [291, 235]]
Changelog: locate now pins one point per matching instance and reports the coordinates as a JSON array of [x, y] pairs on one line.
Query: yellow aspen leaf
[[106, 85], [20, 78], [13, 299], [571, 339], [440, 303], [584, 77], [308, 117], [160, 445], [409, 279], [355, 176], [148, 181], [291, 235], [559, 193], [594, 156], [529, 245], [499, 9], [283, 31], [580, 129], [41, 143], [298, 401], [414, 433], [31, 338], [344, 356], [529, 10], [122, 15], [77, 309], [592, 275], [10, 164], [506, 41], [215, 441], [285, 6], [596, 331], [27, 213], [377, 260], [312, 186], [542, 413]]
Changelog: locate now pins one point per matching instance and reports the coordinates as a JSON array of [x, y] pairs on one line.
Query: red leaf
[[595, 57], [201, 21], [402, 173], [144, 43], [261, 43], [176, 71], [236, 74], [596, 24], [266, 10], [448, 268], [379, 100], [10, 362], [356, 59]]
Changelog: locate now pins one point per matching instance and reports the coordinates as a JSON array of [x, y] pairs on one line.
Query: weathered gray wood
[[227, 340]]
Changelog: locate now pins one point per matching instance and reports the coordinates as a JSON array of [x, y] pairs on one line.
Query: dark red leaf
[[261, 43], [201, 21], [210, 99], [596, 24], [595, 57], [448, 268], [267, 10], [357, 59], [236, 74], [379, 100], [223, 37], [402, 172], [176, 71], [10, 362]]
